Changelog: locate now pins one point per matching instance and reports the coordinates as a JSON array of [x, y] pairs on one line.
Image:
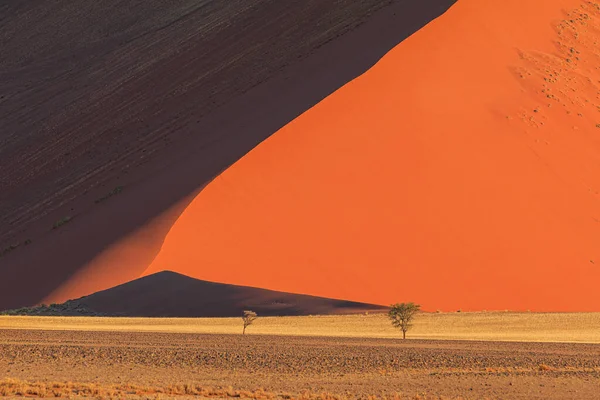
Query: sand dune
[[461, 172], [168, 294], [155, 98]]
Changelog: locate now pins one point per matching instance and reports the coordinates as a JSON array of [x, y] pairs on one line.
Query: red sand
[[462, 171]]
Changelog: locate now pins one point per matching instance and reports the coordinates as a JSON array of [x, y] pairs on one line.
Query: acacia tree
[[248, 317], [402, 314]]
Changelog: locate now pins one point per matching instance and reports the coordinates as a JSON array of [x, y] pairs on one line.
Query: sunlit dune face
[[457, 173], [461, 172]]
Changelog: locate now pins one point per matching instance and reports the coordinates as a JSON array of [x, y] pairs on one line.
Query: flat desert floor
[[523, 356], [489, 326]]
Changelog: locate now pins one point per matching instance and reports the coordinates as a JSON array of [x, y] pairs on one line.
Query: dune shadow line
[[207, 146]]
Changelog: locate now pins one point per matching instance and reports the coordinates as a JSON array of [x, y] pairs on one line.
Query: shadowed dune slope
[[155, 98], [168, 294], [462, 171]]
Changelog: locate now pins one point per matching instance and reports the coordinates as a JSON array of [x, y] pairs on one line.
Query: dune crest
[[460, 172], [158, 138]]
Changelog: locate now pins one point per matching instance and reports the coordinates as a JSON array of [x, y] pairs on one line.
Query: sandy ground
[[493, 326], [286, 367]]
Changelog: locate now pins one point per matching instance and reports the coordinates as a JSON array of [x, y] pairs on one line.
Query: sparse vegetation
[[146, 364], [544, 368], [402, 314], [110, 194], [62, 221], [14, 387], [12, 247], [20, 388], [492, 325], [71, 308], [9, 248], [248, 317]]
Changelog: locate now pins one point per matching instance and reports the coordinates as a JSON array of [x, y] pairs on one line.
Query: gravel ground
[[294, 365]]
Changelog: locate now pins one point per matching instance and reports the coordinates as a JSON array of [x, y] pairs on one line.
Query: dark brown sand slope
[[157, 98], [168, 294]]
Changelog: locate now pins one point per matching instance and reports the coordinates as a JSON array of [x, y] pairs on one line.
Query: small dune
[[168, 294]]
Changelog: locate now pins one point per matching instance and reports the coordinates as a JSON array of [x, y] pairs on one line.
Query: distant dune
[[168, 294], [461, 172], [114, 115]]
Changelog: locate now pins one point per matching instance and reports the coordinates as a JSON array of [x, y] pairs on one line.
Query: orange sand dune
[[462, 171]]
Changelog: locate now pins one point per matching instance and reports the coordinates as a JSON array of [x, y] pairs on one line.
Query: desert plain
[[333, 148], [484, 355]]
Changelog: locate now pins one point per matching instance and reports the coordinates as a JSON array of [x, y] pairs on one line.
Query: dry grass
[[19, 388], [177, 365], [14, 387], [496, 326]]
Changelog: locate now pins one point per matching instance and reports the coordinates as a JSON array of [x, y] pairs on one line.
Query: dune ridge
[[140, 105], [460, 172]]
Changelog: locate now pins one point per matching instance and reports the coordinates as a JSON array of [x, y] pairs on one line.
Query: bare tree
[[402, 314], [249, 317]]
